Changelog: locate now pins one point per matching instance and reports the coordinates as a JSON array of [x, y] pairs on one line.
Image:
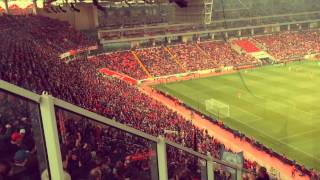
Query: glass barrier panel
[[22, 146], [92, 150], [183, 165], [221, 171]]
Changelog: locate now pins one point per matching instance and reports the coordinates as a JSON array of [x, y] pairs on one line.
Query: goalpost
[[220, 109]]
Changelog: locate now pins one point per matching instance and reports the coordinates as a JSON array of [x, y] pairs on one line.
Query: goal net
[[220, 109]]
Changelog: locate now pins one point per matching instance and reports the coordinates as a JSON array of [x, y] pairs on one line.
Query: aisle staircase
[[141, 64], [203, 52], [249, 46], [174, 58]]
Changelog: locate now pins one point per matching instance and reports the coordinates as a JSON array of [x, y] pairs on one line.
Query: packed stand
[[39, 69], [158, 61], [289, 45], [122, 62], [192, 58], [225, 55]]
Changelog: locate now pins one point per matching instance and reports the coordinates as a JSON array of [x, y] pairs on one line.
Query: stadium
[[159, 89]]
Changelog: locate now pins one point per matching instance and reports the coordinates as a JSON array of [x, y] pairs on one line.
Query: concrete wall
[[194, 13], [86, 19]]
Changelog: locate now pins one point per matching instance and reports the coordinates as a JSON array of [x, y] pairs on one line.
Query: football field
[[278, 105]]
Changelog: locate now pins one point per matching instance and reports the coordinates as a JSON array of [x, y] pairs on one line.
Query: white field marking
[[262, 104], [194, 96], [257, 118], [276, 140], [299, 134], [288, 145], [312, 120], [279, 140], [286, 104], [315, 119]]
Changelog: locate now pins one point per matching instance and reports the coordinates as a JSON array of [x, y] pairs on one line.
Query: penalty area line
[[276, 140], [299, 134]]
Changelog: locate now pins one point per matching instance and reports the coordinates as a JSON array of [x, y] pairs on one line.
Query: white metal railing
[[47, 106]]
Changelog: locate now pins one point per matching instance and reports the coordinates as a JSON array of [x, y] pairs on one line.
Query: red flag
[[62, 126]]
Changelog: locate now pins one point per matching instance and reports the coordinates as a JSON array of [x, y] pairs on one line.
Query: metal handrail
[[19, 91], [95, 117]]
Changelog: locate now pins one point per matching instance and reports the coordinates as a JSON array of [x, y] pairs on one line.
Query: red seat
[[247, 45]]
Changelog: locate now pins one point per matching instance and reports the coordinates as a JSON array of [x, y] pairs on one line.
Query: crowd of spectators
[[288, 45], [158, 61], [122, 62], [37, 68], [192, 57], [29, 59], [225, 55]]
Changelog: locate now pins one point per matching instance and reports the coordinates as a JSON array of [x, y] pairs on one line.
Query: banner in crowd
[[233, 158], [90, 48], [68, 54], [180, 75], [72, 53], [167, 131], [228, 68], [117, 75], [206, 71], [142, 156], [315, 56], [62, 127]]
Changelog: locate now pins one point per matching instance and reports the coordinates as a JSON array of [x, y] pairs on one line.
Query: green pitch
[[277, 105]]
